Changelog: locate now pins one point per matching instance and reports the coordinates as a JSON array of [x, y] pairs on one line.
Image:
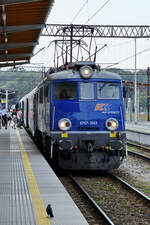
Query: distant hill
[[21, 82], [130, 75]]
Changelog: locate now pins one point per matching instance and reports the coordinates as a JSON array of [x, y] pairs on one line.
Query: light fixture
[[86, 72], [64, 124], [6, 39], [111, 124]]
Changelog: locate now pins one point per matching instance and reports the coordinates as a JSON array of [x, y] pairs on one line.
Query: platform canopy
[[21, 22]]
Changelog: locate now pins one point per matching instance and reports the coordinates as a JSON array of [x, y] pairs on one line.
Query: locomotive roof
[[69, 74]]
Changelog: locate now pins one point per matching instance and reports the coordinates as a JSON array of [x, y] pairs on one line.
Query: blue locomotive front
[[87, 126]]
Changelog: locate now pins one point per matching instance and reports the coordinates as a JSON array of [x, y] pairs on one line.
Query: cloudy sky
[[103, 12]]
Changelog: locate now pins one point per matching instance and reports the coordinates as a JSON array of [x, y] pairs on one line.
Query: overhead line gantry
[[98, 31]]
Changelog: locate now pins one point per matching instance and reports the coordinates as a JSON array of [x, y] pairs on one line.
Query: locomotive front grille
[[88, 128]]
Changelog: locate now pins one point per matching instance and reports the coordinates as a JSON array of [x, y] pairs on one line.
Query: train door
[[27, 112], [35, 110], [22, 110], [46, 107]]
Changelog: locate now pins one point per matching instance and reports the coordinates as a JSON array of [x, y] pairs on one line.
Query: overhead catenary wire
[[84, 4], [97, 11], [129, 57], [120, 44], [82, 7], [138, 53]]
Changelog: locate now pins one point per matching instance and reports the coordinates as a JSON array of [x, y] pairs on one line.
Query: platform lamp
[[135, 90], [148, 93], [7, 93], [1, 94]]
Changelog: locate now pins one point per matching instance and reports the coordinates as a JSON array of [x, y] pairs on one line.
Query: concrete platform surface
[[28, 185]]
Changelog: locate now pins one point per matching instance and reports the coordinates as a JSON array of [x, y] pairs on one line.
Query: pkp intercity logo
[[99, 107], [103, 107]]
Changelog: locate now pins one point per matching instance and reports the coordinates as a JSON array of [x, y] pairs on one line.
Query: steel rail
[[147, 149], [139, 155], [138, 145], [107, 219], [131, 187]]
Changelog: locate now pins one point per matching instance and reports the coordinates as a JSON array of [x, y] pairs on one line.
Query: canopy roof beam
[[20, 28], [9, 2], [18, 45], [21, 22], [19, 55], [7, 64]]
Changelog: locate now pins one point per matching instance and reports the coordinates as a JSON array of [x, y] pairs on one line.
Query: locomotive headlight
[[111, 124], [86, 72], [64, 124]]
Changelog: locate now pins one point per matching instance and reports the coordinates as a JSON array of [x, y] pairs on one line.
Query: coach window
[[65, 90], [37, 94], [108, 90], [41, 95], [46, 92], [86, 91]]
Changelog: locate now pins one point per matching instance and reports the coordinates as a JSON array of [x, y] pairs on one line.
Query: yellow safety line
[[40, 211]]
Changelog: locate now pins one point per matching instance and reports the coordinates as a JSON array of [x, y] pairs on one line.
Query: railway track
[[92, 201], [88, 206], [142, 148], [108, 212], [135, 190], [139, 155], [139, 146]]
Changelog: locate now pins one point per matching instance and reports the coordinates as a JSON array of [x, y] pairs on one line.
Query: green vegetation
[[127, 75], [21, 82], [101, 202]]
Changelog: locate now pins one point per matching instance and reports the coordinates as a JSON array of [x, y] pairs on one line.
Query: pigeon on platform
[[49, 211]]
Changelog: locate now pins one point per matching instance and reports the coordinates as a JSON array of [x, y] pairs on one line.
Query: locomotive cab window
[[86, 91], [65, 90], [108, 90]]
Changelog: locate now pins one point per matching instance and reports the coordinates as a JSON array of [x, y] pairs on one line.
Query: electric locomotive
[[77, 115]]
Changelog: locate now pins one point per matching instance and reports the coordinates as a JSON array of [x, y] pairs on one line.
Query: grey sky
[[115, 12]]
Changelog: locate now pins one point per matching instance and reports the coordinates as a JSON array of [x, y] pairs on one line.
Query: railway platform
[[139, 132], [28, 185]]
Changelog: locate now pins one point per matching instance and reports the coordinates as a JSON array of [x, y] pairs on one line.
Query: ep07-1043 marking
[[88, 122]]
